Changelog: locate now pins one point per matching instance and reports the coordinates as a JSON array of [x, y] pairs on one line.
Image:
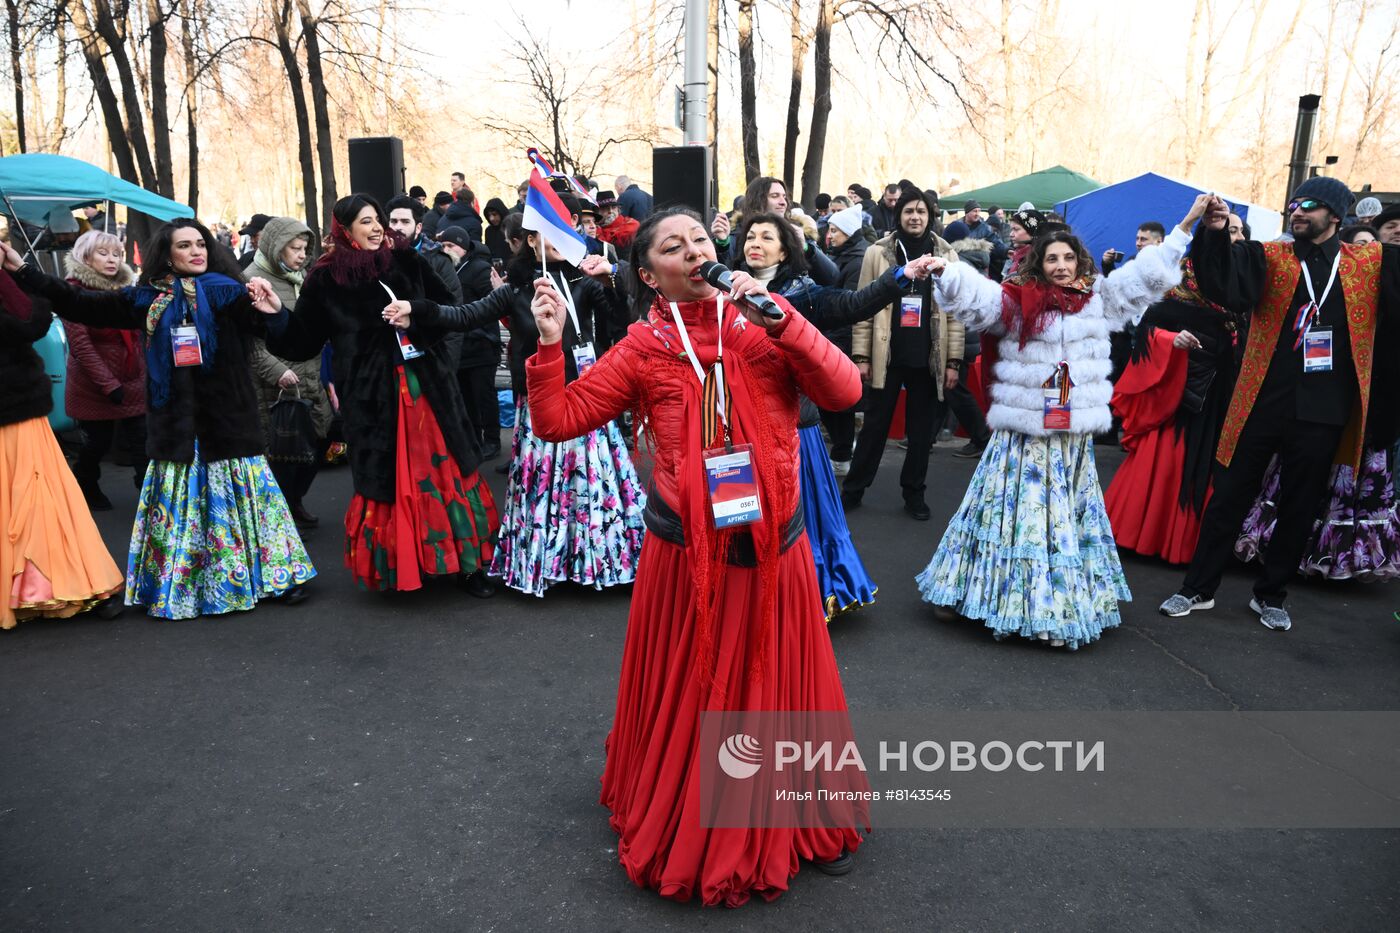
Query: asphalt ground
[[428, 761]]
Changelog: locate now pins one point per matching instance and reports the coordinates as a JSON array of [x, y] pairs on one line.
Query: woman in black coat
[[574, 509], [420, 508], [213, 533]]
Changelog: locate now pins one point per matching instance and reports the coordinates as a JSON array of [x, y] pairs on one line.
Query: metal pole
[[1303, 134], [697, 83]]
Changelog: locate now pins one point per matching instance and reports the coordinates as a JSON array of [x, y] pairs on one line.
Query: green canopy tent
[[1044, 189], [33, 184]]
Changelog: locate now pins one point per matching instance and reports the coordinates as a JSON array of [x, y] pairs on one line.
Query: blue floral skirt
[[572, 511], [1030, 550], [212, 538], [844, 583]]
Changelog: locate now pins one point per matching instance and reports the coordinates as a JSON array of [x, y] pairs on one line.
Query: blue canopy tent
[[1109, 217], [32, 185]]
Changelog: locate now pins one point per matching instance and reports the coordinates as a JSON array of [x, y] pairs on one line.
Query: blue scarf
[[171, 302]]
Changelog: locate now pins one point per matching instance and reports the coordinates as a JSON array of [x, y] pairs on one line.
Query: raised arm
[[19, 319], [830, 308], [969, 296], [102, 309], [560, 412], [823, 373], [463, 317]]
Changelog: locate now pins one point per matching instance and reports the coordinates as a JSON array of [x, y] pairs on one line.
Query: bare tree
[[821, 105], [324, 149], [800, 41], [187, 49], [282, 27], [12, 21], [748, 91]]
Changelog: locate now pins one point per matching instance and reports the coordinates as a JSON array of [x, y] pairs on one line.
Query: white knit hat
[[848, 221]]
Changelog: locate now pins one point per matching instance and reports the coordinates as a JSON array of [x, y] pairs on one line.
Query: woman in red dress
[[720, 619]]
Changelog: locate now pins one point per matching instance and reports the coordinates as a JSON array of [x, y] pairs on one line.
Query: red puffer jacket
[[645, 372]]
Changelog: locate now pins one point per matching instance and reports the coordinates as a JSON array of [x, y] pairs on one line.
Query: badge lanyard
[[720, 406], [1309, 312], [406, 347], [563, 284]]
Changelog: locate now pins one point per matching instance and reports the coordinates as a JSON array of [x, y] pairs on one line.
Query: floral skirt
[[211, 538], [840, 573], [1030, 550], [573, 511], [52, 558], [440, 521], [1356, 538]]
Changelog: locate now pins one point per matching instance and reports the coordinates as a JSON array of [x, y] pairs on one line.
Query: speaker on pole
[[376, 167], [680, 177]]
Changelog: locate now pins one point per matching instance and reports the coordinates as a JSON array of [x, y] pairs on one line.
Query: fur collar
[[89, 277]]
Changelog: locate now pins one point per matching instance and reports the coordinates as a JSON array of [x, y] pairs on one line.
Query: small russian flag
[[546, 214]]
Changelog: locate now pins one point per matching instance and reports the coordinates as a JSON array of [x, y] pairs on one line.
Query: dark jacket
[[219, 405], [25, 390], [366, 364], [432, 222], [634, 203], [482, 346], [848, 257], [460, 214], [883, 218], [495, 237], [599, 312]]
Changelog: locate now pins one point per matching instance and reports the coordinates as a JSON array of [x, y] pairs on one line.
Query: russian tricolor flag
[[547, 215]]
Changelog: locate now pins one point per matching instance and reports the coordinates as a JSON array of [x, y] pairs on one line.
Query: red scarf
[[1030, 303], [350, 264]]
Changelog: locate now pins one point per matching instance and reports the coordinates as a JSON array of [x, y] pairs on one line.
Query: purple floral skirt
[[1356, 538]]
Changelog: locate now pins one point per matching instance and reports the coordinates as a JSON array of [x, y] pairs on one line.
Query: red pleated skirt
[[1142, 501], [440, 521], [651, 781]]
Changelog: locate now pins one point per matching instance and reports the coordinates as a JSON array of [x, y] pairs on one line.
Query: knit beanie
[[1330, 191], [848, 221]]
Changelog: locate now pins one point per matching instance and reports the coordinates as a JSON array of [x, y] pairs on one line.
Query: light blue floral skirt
[[573, 511], [844, 582], [211, 538], [1030, 550]]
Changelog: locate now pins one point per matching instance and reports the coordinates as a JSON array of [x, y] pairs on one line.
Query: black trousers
[[97, 440], [969, 414], [478, 384], [295, 479], [841, 425], [1305, 452], [922, 410]]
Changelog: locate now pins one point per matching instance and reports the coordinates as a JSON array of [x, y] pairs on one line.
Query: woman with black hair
[[573, 508], [1030, 551], [772, 255], [213, 533], [725, 615], [768, 195], [420, 509]]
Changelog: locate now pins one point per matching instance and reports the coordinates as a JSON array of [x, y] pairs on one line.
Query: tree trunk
[[748, 91], [117, 136], [821, 107], [191, 103], [712, 52], [319, 101], [289, 61], [16, 69], [160, 109], [1190, 138], [106, 24], [794, 113], [58, 131]]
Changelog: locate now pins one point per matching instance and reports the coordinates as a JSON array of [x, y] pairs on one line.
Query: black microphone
[[717, 274]]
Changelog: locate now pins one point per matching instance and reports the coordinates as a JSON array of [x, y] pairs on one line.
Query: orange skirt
[[54, 562]]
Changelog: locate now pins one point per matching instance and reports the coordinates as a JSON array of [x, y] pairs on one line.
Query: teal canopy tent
[[33, 184], [1044, 189]]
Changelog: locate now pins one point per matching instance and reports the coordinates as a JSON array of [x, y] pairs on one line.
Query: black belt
[[662, 521]]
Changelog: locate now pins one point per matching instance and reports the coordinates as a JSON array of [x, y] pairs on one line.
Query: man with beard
[[1304, 390]]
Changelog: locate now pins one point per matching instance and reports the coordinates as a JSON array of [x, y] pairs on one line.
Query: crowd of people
[[1252, 383]]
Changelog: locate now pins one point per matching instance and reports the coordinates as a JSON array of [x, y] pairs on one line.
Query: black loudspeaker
[[680, 177], [376, 167]]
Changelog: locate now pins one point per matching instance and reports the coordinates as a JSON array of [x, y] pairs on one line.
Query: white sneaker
[[1178, 605]]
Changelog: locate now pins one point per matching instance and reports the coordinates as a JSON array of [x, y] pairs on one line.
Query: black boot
[[477, 584], [97, 501]]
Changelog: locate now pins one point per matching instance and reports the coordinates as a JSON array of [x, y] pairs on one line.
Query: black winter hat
[[1330, 191], [417, 192], [441, 198], [457, 236], [1386, 216]]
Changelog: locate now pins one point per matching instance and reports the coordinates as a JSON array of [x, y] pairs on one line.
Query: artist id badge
[[1056, 411], [584, 357], [911, 311], [1317, 351], [184, 345], [406, 347], [733, 491]]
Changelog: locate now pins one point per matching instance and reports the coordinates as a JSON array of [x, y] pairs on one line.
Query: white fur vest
[[1017, 397]]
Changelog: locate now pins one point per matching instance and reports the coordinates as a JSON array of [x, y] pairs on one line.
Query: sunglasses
[[1306, 204]]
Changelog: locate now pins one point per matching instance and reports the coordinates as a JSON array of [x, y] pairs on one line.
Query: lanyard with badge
[[728, 469], [1316, 344], [184, 343], [584, 357], [406, 347], [911, 307]]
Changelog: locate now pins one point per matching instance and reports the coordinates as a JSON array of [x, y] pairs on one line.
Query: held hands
[[549, 311], [596, 267], [1185, 340], [264, 298], [13, 260], [1199, 208], [742, 284], [288, 380], [398, 314], [921, 268]]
